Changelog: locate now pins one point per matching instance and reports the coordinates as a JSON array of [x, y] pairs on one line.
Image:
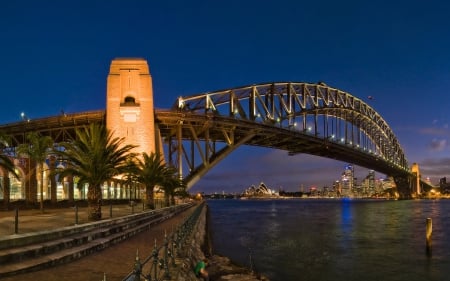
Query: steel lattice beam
[[308, 118], [325, 112]]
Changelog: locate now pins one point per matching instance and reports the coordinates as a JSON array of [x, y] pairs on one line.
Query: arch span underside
[[295, 117]]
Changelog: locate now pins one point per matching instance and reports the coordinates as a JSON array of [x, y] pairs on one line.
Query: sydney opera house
[[261, 191]]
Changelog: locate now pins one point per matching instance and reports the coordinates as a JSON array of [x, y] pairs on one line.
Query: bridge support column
[[129, 104], [51, 177], [70, 188], [415, 183], [6, 189], [403, 187]]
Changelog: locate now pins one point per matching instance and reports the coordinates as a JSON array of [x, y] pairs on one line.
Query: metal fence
[[159, 263]]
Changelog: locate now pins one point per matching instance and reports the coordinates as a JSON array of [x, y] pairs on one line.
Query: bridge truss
[[295, 117], [60, 128], [203, 129]]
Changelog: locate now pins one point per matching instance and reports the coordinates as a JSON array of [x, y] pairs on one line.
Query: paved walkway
[[114, 262], [34, 220]]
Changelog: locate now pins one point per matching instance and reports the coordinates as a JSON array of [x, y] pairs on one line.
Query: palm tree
[[95, 157], [37, 149], [151, 173], [7, 166], [172, 186], [130, 177]]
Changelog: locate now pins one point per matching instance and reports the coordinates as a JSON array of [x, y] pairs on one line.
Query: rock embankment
[[219, 268]]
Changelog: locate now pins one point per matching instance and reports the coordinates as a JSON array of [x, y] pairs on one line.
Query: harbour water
[[335, 239]]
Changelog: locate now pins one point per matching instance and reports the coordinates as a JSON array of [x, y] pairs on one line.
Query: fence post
[[76, 214], [16, 221], [250, 259], [155, 262], [429, 231], [137, 267], [172, 246], [166, 256]]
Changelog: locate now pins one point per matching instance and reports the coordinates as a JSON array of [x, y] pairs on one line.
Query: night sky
[[55, 55]]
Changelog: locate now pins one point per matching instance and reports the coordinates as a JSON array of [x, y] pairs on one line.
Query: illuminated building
[[347, 180], [129, 103]]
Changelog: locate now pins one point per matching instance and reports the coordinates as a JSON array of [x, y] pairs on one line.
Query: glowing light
[[180, 103], [24, 117]]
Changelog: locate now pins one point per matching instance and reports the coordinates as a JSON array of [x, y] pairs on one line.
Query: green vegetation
[[95, 157], [6, 166], [37, 149], [151, 174]]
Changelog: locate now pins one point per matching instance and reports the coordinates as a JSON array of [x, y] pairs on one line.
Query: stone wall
[[219, 268]]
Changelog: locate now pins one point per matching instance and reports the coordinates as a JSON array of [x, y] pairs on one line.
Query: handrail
[[162, 257]]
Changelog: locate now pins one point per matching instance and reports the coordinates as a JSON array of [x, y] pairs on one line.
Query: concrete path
[[34, 220], [114, 262]]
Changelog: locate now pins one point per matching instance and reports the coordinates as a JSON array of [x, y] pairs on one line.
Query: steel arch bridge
[[296, 117], [201, 130]]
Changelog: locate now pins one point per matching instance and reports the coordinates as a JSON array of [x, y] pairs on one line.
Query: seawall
[[199, 247]]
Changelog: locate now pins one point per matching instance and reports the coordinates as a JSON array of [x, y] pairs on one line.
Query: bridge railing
[[159, 264]]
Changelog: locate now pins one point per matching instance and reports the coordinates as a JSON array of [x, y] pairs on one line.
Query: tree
[[37, 149], [172, 186], [7, 166], [151, 173], [130, 177], [95, 157]]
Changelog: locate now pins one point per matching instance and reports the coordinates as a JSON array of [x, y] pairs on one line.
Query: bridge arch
[[296, 117], [201, 130]]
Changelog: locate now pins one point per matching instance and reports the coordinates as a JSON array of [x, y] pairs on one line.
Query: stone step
[[18, 254], [41, 255], [20, 240]]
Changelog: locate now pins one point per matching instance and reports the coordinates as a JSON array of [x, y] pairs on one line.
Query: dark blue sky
[[55, 55]]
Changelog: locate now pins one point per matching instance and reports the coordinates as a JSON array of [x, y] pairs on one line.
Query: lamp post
[[24, 117]]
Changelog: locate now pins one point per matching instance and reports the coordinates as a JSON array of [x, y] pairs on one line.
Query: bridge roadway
[[115, 261], [265, 135], [214, 128], [298, 117]]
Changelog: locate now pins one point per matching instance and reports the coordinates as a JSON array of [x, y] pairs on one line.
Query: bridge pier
[[403, 184], [129, 103]]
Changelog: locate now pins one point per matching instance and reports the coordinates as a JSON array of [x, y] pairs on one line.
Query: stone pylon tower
[[416, 184], [129, 103]]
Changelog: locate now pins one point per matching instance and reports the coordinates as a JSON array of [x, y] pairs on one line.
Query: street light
[[24, 117]]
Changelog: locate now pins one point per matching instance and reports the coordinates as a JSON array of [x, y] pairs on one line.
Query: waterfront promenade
[[114, 262]]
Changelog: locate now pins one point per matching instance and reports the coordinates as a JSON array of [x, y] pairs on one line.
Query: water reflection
[[334, 240]]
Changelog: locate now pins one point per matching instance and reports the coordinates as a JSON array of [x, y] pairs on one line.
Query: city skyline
[[56, 58]]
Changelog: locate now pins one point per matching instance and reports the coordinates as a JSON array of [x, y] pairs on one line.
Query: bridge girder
[[307, 118], [299, 118], [191, 134], [59, 128], [316, 108]]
